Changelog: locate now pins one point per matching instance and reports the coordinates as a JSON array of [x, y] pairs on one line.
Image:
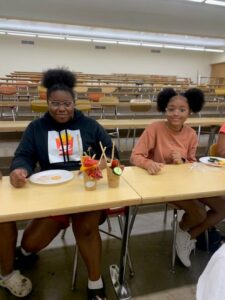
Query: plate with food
[[51, 177], [213, 161]]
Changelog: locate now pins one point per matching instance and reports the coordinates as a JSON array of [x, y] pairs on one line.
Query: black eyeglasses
[[65, 104]]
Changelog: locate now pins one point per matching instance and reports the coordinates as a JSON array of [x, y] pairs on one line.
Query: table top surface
[[34, 200], [19, 126], [15, 103], [13, 126], [173, 183], [140, 102], [142, 123], [177, 182]]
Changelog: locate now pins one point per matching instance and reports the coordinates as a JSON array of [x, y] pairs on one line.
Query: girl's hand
[[154, 168], [18, 177], [176, 158]]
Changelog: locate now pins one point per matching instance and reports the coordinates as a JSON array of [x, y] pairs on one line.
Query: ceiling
[[163, 16]]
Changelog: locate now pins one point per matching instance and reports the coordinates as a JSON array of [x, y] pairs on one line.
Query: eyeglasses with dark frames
[[57, 104]]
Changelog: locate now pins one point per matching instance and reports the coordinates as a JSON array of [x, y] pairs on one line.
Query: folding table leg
[[174, 240], [118, 273]]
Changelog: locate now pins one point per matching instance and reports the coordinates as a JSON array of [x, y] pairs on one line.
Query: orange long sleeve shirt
[[158, 141], [222, 129]]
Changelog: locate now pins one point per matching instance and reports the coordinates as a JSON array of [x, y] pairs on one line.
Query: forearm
[[140, 161], [22, 163]]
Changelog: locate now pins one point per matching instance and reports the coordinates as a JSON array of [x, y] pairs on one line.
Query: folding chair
[[138, 106], [118, 212], [39, 107], [8, 93], [174, 229]]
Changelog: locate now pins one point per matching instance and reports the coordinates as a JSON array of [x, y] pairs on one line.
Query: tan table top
[[15, 103], [177, 182], [125, 104], [13, 126], [215, 104], [34, 201], [142, 123], [19, 126]]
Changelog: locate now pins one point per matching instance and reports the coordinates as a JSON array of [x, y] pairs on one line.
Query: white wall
[[218, 58], [83, 57]]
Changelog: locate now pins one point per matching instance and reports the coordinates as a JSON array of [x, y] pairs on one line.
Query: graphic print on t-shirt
[[70, 145]]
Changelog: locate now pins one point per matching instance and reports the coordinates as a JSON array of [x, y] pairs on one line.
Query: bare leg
[[85, 227], [8, 238], [39, 233], [214, 215], [195, 214]]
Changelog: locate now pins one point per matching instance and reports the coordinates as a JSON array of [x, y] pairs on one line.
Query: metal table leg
[[118, 273]]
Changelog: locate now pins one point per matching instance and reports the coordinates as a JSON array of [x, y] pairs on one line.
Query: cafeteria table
[[42, 200]]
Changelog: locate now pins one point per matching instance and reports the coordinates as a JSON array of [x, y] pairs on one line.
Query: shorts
[[63, 220]]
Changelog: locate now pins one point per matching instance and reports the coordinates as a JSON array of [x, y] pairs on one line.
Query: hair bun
[[195, 99], [58, 77]]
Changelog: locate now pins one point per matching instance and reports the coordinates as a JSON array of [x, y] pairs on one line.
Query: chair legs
[[133, 138], [116, 134], [63, 234], [75, 263], [173, 259], [165, 213], [207, 240], [121, 225], [109, 224]]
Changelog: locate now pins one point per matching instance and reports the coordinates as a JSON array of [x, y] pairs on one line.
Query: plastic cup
[[113, 179], [89, 183]]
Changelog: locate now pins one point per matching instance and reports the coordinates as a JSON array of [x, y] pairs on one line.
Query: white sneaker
[[184, 246]]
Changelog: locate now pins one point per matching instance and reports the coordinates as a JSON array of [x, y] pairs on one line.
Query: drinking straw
[[79, 146], [112, 154], [101, 156], [103, 151]]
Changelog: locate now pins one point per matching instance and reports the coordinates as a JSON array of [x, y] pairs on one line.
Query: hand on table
[[176, 158], [154, 168], [18, 177]]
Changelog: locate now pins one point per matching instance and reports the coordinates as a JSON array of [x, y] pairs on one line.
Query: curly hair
[[59, 79], [194, 96]]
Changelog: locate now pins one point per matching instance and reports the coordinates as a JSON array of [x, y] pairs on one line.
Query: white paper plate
[[220, 163], [51, 177]]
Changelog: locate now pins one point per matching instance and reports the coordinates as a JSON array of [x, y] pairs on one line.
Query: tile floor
[[150, 247]]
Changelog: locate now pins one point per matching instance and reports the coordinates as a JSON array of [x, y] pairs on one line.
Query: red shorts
[[63, 220]]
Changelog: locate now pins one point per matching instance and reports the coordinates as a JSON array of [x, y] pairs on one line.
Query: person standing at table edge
[[173, 142], [55, 141], [211, 282]]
